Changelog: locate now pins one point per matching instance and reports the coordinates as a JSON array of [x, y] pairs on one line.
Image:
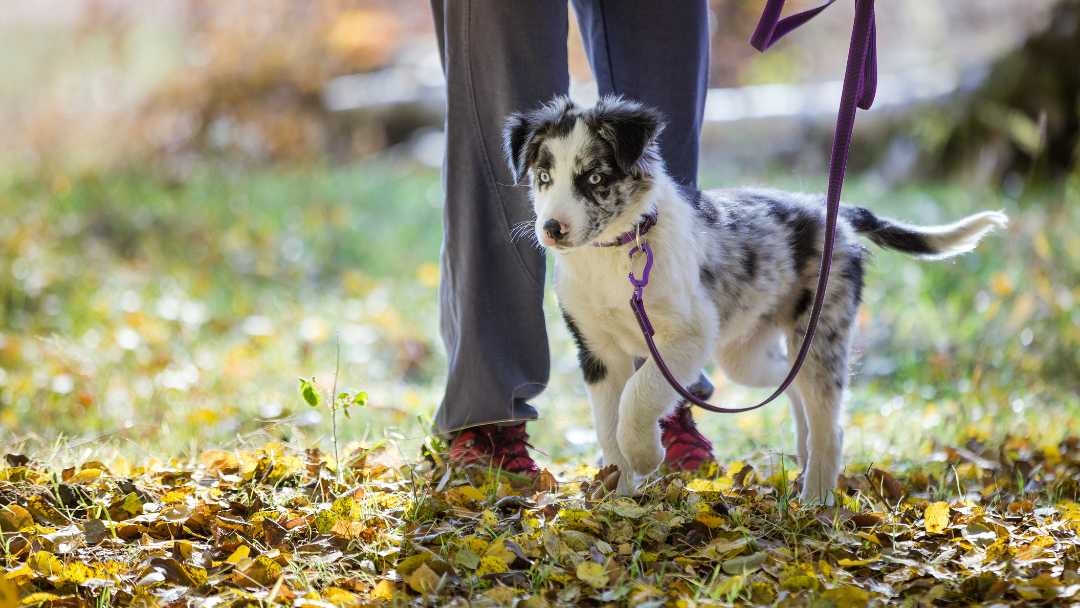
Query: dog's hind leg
[[820, 385], [762, 361], [802, 428]]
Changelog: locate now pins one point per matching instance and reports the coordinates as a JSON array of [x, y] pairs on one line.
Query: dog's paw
[[627, 486], [642, 451], [818, 487], [817, 499]]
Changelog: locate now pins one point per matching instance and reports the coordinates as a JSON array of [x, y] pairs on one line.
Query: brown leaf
[[546, 482], [886, 484], [16, 460], [14, 518], [178, 573]]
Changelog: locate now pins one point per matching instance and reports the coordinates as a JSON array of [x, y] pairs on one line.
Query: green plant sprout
[[342, 401]]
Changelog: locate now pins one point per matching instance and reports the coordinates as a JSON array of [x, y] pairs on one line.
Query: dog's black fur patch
[[803, 303], [779, 210], [525, 131], [805, 229], [705, 209], [708, 277], [629, 128], [592, 368], [749, 262], [887, 234], [853, 273]]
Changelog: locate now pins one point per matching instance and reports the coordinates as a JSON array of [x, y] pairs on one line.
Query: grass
[[157, 316]]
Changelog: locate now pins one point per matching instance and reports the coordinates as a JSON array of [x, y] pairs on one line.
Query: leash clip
[[639, 284]]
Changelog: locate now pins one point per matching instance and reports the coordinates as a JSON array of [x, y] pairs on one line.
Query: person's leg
[[656, 52], [498, 56]]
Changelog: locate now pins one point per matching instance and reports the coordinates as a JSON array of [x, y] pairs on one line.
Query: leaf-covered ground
[[992, 523]]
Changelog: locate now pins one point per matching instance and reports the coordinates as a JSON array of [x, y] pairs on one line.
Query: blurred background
[[201, 201]]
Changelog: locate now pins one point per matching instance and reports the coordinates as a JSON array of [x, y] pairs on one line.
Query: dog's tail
[[930, 242]]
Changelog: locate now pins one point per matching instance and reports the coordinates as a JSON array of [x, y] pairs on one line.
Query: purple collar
[[646, 223]]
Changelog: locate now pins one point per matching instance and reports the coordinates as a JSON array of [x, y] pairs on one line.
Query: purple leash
[[860, 84]]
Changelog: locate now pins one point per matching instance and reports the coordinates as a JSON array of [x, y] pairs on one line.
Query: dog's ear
[[518, 134], [525, 132], [630, 128]]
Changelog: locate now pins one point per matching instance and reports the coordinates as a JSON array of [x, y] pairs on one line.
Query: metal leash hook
[[636, 300]]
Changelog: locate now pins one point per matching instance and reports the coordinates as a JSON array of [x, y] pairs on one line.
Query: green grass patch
[[153, 314]]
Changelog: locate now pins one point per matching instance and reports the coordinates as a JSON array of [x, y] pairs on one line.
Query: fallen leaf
[[383, 590], [847, 596], [14, 518], [9, 593], [936, 517], [423, 580], [592, 574], [744, 564]]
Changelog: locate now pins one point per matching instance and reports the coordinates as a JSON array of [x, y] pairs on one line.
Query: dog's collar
[[643, 226]]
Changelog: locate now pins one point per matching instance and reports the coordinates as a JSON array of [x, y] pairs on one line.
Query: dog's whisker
[[521, 230]]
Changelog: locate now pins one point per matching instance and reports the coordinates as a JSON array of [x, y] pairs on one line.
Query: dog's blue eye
[[543, 176], [595, 178]]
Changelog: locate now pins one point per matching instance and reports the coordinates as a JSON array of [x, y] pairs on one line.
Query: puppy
[[733, 282]]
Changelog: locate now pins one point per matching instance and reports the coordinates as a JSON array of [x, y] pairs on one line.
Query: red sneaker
[[505, 447], [686, 448]]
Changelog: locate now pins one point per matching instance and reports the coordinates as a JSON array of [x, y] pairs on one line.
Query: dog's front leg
[[648, 396], [604, 396]]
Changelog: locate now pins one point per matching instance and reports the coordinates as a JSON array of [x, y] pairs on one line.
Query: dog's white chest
[[597, 295]]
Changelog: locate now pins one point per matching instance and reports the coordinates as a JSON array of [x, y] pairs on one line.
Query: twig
[[333, 411]]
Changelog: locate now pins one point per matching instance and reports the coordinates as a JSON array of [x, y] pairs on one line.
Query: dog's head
[[588, 168]]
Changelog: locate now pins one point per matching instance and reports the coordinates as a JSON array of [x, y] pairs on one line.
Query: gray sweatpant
[[505, 55]]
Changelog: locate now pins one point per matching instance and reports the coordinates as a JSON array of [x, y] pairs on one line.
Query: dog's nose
[[555, 229]]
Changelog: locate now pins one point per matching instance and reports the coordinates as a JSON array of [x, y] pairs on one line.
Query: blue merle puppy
[[734, 277]]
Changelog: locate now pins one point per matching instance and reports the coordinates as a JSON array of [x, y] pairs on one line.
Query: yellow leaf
[[45, 563], [464, 496], [384, 590], [1070, 512], [85, 476], [261, 571], [936, 517], [338, 596], [9, 594], [798, 576], [853, 563], [842, 597], [706, 517], [241, 553], [39, 598], [474, 543], [503, 596], [423, 579], [75, 572], [490, 564], [498, 550], [703, 486], [593, 574]]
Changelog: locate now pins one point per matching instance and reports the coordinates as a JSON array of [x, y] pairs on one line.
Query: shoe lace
[[681, 428], [510, 442]]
